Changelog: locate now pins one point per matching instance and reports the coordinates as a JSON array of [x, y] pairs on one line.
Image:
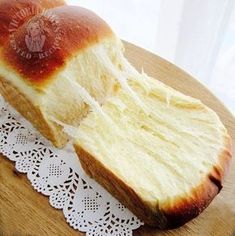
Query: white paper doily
[[58, 174]]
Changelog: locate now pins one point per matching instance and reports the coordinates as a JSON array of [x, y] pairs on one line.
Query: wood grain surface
[[23, 211]]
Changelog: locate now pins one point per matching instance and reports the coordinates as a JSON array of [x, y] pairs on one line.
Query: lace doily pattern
[[57, 174]]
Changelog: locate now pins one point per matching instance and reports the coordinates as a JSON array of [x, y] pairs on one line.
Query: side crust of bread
[[172, 214], [33, 113]]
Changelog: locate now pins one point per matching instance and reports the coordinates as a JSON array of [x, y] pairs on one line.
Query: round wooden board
[[23, 211]]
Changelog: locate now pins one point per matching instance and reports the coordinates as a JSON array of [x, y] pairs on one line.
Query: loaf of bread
[[163, 154], [41, 85]]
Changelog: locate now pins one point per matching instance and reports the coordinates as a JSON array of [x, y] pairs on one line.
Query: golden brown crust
[[8, 9], [33, 113], [170, 215], [77, 28], [185, 209]]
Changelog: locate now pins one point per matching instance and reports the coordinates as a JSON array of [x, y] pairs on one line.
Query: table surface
[[23, 211]]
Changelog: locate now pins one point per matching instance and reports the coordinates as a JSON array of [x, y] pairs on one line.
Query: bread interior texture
[[162, 151]]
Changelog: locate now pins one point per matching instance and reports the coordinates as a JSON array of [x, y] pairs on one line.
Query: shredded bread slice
[[155, 158]]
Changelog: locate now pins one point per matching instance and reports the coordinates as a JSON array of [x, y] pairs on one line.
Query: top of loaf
[[67, 30], [28, 8]]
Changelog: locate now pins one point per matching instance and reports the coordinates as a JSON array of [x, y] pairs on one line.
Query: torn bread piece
[[167, 165], [161, 153]]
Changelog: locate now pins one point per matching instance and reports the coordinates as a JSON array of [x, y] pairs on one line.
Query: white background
[[196, 35]]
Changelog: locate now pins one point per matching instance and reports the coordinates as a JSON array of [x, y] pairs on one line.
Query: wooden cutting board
[[23, 211]]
